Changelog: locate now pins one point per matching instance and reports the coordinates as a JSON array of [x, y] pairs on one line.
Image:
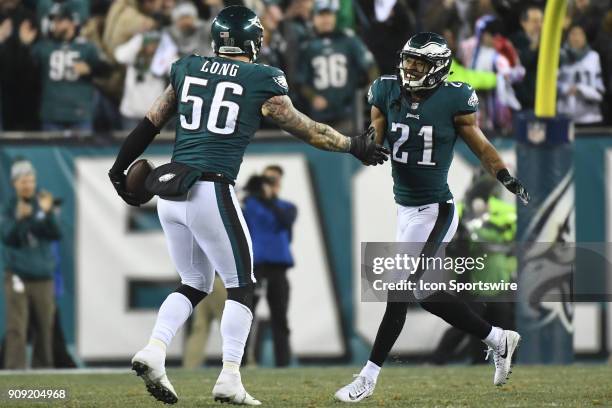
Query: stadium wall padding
[[330, 178]]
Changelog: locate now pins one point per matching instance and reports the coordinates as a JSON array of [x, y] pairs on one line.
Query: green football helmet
[[237, 31], [424, 62]]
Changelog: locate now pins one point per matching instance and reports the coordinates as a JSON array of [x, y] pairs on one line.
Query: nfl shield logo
[[414, 106], [224, 34], [536, 132]]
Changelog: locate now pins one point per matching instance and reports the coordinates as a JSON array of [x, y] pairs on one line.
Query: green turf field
[[411, 386]]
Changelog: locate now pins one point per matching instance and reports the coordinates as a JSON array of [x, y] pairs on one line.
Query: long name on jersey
[[219, 109]]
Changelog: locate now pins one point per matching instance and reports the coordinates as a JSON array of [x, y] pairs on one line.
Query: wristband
[[503, 176]]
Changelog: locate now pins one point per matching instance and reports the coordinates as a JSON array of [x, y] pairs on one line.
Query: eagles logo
[[473, 101], [255, 22], [281, 81]]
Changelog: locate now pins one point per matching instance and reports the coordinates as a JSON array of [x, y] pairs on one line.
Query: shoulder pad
[[457, 84]]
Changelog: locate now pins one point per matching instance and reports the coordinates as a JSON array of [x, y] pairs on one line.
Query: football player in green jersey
[[420, 116], [220, 102]]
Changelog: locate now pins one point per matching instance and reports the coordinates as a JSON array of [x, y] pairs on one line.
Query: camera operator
[[270, 220], [28, 227]]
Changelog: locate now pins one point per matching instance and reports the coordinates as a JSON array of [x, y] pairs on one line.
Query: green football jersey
[[332, 66], [219, 109], [421, 136], [66, 97]]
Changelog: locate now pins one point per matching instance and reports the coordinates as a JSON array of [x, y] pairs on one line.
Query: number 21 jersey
[[219, 109], [421, 136]]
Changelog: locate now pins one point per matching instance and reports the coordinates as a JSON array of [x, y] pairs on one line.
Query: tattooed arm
[[363, 147], [283, 113], [163, 108]]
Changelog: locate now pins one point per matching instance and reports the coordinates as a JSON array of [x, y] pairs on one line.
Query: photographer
[[270, 222], [27, 227]]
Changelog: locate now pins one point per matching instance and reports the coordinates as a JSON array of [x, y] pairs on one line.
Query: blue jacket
[[270, 223]]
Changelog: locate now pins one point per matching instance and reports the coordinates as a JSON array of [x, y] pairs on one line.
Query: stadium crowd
[[97, 65]]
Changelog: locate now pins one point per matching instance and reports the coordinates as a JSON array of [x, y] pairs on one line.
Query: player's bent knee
[[242, 294], [194, 295]]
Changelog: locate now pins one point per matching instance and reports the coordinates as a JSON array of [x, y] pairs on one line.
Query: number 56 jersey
[[219, 109], [421, 136]]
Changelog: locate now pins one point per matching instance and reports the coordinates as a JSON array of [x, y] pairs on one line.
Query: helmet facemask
[[419, 72]]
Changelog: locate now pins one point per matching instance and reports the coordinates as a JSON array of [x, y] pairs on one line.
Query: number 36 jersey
[[421, 136], [219, 109]]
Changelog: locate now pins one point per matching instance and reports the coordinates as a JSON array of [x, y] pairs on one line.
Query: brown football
[[135, 180]]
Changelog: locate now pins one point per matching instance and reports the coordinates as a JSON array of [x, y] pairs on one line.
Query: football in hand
[[135, 180]]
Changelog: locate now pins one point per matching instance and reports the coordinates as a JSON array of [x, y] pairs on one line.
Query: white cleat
[[502, 356], [229, 388], [360, 389], [149, 365]]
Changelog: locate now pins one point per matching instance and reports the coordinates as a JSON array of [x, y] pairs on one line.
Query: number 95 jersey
[[421, 136], [219, 109]]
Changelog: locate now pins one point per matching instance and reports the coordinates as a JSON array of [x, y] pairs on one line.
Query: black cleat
[[160, 389]]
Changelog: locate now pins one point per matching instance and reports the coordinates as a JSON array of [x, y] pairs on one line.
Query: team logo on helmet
[[237, 31], [424, 61], [255, 22]]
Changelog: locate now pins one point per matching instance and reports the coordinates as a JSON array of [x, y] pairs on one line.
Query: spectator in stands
[[479, 80], [106, 107], [187, 35], [273, 48], [165, 18], [28, 226], [436, 15], [208, 9], [270, 220], [43, 8], [603, 46], [586, 15], [332, 66], [385, 26], [66, 64], [297, 29], [188, 32], [489, 51], [129, 17], [141, 87], [580, 85], [19, 85], [125, 19], [527, 43]]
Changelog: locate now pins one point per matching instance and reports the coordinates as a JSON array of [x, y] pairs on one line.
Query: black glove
[[118, 180], [513, 185], [367, 150]]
